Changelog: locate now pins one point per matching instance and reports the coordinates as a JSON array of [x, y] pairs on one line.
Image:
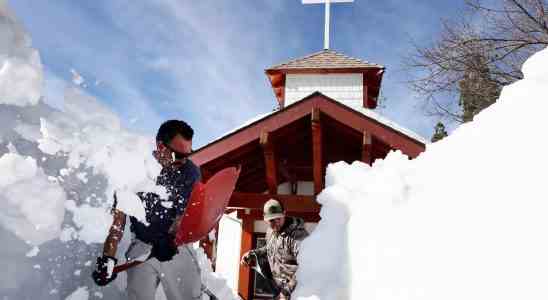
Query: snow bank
[[92, 222], [89, 135], [31, 206], [20, 67], [465, 220], [80, 293], [58, 172], [215, 283]]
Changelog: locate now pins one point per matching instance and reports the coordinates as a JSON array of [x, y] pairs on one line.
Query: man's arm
[[260, 251], [297, 238], [246, 258], [115, 234], [103, 273]]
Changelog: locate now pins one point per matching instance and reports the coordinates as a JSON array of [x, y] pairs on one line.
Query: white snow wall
[[58, 170], [468, 219]]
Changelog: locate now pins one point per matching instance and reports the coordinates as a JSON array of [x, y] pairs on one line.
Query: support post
[[271, 170], [365, 91], [244, 282], [317, 159], [367, 148]]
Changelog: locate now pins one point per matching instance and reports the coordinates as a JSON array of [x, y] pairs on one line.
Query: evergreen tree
[[477, 89], [439, 132]]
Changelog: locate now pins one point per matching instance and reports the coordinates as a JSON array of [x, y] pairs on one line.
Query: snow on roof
[[245, 124], [385, 121]]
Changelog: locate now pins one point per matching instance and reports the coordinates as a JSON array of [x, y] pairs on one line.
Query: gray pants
[[180, 276]]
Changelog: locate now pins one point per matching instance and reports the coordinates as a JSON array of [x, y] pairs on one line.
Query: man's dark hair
[[169, 129]]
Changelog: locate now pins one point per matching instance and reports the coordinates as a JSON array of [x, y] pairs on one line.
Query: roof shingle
[[325, 59]]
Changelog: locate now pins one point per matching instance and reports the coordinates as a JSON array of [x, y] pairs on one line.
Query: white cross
[[327, 6]]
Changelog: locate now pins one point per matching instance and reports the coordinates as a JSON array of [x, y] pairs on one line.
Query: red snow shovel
[[206, 207]]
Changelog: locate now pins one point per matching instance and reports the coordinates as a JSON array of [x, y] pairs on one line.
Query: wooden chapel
[[325, 114]]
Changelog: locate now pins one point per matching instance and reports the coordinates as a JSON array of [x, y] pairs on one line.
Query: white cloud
[[212, 58]]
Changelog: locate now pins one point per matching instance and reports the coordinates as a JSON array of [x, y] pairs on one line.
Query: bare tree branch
[[476, 55]]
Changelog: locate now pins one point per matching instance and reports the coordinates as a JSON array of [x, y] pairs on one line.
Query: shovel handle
[[124, 267]]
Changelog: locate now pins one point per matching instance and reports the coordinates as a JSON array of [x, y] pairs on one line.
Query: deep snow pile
[[20, 67], [465, 220], [32, 204], [58, 171]]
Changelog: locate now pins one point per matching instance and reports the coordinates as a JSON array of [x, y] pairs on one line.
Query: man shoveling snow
[[165, 262], [283, 239]]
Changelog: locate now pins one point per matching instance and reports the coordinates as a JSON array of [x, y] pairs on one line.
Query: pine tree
[[477, 89], [439, 132]]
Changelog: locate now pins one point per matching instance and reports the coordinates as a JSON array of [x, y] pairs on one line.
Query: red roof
[[333, 109]]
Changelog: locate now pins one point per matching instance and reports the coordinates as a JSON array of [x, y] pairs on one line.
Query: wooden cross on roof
[[327, 13]]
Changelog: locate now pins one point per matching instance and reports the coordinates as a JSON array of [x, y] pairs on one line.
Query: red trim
[[291, 203], [244, 282], [277, 81], [317, 165], [365, 93], [277, 78], [371, 86], [257, 215], [324, 70], [367, 148], [292, 113], [271, 172]]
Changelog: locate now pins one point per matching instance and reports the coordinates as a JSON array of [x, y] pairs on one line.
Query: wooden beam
[[257, 215], [338, 111], [365, 90], [367, 148], [281, 99], [236, 157], [271, 170], [244, 282], [317, 163], [291, 203], [370, 92]]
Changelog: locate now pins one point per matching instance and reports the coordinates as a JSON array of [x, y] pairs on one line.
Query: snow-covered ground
[[58, 172], [465, 220]]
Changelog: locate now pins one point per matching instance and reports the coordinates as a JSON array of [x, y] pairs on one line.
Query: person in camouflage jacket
[[283, 239]]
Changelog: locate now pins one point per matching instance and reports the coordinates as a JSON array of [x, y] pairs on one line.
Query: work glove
[[164, 248], [247, 259], [283, 296], [285, 293], [103, 273]]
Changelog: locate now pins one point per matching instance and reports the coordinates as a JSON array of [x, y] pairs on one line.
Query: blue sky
[[203, 61]]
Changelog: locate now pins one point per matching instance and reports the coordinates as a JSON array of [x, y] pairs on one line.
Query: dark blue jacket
[[161, 213]]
